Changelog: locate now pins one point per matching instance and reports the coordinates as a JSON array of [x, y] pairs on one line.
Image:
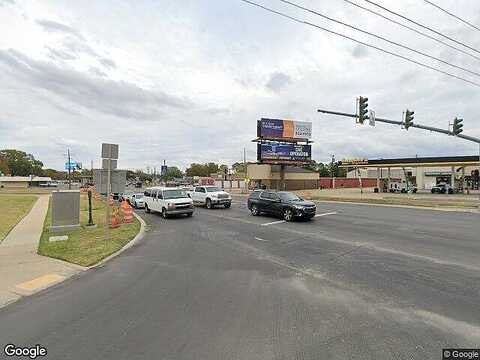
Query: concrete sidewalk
[[22, 270]]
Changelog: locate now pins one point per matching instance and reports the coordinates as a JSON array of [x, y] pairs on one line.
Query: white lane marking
[[274, 222], [260, 239], [326, 214]]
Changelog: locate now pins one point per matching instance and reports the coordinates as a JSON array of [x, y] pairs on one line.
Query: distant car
[[49, 184], [138, 184], [282, 203], [442, 189], [136, 200], [210, 196]]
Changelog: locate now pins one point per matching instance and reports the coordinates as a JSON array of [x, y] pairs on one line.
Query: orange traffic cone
[[127, 212], [115, 219]]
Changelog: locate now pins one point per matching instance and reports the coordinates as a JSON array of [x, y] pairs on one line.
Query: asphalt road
[[358, 282]]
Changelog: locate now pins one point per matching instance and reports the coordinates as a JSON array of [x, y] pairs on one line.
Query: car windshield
[[289, 197], [174, 194], [212, 189], [138, 196]]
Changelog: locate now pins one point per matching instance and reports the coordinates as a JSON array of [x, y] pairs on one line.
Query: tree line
[[19, 163]]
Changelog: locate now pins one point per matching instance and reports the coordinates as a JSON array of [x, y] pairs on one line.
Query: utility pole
[[69, 170], [245, 169]]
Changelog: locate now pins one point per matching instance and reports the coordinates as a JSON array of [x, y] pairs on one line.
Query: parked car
[[168, 201], [48, 184], [136, 200], [402, 187], [210, 196], [442, 189], [282, 203]]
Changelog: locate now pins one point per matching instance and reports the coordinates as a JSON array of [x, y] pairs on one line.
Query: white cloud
[[186, 82]]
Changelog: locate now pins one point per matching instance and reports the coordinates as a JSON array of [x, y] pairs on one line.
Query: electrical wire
[[411, 29], [422, 26], [360, 42], [452, 15], [380, 37]]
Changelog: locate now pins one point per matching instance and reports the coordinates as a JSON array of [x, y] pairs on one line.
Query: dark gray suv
[[280, 203]]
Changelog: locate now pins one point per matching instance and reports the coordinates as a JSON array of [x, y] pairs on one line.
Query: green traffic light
[[408, 118], [362, 109], [457, 126]]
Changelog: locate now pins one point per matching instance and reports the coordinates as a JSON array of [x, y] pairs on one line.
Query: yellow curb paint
[[41, 282]]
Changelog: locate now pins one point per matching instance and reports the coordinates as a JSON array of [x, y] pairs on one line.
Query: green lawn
[[12, 209], [87, 247]]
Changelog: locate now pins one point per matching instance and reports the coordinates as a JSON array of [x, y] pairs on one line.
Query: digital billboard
[[277, 152], [284, 129]]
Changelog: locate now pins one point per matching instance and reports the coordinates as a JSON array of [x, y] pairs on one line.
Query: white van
[[168, 201]]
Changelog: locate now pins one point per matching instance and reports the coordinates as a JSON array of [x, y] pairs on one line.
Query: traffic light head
[[409, 118], [362, 109], [457, 126]]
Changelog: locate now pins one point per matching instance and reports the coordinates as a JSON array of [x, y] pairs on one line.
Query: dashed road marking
[[273, 223], [259, 239], [326, 214]]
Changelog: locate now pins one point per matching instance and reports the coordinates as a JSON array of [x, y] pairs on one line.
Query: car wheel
[[164, 213], [227, 206], [288, 215], [432, 191], [135, 205], [147, 210], [209, 204], [254, 210]]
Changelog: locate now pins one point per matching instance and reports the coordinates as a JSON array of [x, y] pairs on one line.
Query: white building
[[426, 172]]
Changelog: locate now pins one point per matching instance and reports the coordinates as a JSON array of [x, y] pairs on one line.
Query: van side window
[[198, 189], [147, 193], [160, 195]]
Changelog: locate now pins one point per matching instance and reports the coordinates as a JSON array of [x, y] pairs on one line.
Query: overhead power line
[[412, 29], [380, 37], [452, 15], [359, 42], [421, 25]]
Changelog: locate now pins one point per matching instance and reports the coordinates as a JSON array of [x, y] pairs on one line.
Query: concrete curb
[[472, 211], [128, 245]]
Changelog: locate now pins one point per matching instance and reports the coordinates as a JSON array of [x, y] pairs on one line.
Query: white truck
[[210, 196]]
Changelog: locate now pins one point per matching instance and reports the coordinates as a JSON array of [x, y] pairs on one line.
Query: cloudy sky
[[186, 80]]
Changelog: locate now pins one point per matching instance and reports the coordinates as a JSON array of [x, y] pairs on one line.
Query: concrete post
[[452, 178], [378, 179]]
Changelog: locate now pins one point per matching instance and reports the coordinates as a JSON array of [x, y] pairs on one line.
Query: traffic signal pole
[[401, 123], [455, 132]]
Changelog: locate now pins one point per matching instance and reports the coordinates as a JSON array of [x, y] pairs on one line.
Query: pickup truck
[[210, 196]]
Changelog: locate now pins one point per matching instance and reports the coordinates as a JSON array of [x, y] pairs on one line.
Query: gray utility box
[[65, 210], [118, 178]]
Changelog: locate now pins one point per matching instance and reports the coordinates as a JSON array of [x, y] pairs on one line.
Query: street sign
[[113, 164], [371, 118], [163, 170], [109, 151], [73, 166]]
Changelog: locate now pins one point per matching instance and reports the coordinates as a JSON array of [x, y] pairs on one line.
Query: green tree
[[212, 168], [55, 174], [238, 168], [20, 163], [4, 166], [172, 173]]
